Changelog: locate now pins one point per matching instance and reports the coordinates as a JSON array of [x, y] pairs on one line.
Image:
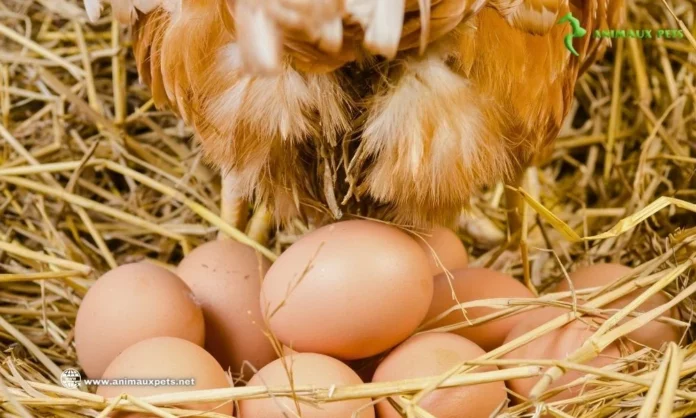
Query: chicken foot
[[518, 220], [233, 206]]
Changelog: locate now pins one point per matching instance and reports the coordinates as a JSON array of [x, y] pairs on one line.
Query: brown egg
[[655, 333], [307, 369], [471, 285], [226, 277], [448, 248], [167, 358], [433, 354], [130, 304], [556, 345], [350, 290], [287, 351]]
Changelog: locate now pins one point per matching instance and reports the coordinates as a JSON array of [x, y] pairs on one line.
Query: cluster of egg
[[347, 302]]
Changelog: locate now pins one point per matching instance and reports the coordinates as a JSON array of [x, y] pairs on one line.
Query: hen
[[397, 109]]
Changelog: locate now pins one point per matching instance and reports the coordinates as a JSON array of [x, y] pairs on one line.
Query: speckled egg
[[225, 277]]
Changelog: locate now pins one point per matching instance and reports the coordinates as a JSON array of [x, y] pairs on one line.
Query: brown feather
[[533, 16], [407, 140], [600, 15]]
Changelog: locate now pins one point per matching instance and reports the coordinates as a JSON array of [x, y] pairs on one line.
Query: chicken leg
[[518, 222], [233, 206], [514, 204]]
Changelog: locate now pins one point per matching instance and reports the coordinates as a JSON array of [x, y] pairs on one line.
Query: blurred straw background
[[93, 176]]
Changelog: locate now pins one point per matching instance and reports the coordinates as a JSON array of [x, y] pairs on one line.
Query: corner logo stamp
[[613, 33], [70, 379], [578, 31]]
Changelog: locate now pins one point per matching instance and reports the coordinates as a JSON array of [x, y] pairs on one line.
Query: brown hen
[[397, 109]]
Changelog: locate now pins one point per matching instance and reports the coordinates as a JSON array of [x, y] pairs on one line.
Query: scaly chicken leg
[[233, 206], [519, 222], [514, 204]]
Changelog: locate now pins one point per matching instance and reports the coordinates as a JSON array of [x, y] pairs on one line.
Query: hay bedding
[[92, 176]]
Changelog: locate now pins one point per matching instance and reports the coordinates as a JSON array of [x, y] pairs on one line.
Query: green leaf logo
[[578, 31]]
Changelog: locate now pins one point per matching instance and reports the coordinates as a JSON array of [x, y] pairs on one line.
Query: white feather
[[360, 11], [260, 39], [125, 10], [171, 6], [93, 9], [384, 31], [146, 6], [331, 38]]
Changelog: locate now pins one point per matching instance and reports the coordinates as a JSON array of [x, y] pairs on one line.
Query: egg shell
[[166, 358], [307, 369], [349, 290], [225, 277], [471, 285], [129, 304], [287, 350], [432, 354], [443, 245], [655, 333], [556, 345]]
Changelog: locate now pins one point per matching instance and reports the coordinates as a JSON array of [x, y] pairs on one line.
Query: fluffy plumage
[[392, 108]]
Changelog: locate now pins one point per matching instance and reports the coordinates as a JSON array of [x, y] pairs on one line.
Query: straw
[[93, 176]]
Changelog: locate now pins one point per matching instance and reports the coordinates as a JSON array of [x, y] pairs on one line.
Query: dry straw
[[92, 176]]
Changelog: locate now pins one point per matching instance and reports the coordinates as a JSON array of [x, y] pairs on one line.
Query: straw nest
[[92, 176]]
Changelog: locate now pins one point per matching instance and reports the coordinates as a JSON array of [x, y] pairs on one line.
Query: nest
[[93, 176]]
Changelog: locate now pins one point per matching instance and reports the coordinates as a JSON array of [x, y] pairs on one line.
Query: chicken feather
[[400, 113], [125, 11], [533, 16]]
